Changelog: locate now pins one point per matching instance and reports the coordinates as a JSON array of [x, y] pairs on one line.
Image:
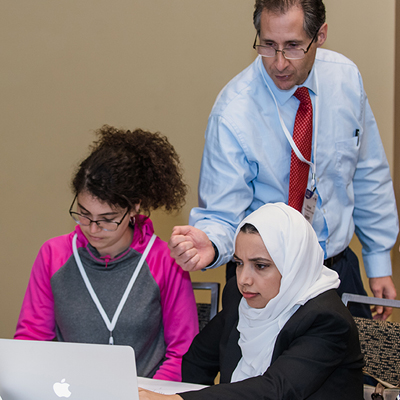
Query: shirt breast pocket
[[347, 152]]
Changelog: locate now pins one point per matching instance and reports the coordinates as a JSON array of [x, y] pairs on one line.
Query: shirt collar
[[282, 96]]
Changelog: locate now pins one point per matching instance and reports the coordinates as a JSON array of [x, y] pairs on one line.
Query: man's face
[[285, 31]]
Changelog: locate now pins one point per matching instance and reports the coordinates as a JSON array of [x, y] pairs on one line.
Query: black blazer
[[316, 355]]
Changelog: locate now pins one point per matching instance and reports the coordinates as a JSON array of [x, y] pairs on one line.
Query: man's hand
[[191, 248], [383, 288]]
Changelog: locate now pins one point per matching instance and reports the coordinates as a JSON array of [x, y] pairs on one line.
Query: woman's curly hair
[[126, 167]]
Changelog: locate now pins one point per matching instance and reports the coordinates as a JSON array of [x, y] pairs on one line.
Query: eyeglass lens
[[103, 224], [290, 54]]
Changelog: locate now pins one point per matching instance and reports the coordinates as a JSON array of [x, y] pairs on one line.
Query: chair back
[[379, 340], [207, 311]]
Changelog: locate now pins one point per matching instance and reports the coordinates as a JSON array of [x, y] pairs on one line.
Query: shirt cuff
[[378, 265], [216, 256]]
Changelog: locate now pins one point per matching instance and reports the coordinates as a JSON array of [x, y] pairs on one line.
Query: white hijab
[[294, 248]]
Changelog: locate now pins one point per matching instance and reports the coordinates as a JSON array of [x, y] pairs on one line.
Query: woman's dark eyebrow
[[255, 259], [260, 259], [103, 215]]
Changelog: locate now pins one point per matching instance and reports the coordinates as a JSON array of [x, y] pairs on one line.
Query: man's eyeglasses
[[105, 224], [289, 53]]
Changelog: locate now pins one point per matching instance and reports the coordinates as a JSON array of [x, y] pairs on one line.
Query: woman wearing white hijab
[[285, 334]]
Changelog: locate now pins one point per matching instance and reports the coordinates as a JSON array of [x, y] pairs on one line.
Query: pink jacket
[[179, 313]]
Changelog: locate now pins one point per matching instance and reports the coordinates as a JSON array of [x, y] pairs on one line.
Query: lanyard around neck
[[110, 324], [289, 136]]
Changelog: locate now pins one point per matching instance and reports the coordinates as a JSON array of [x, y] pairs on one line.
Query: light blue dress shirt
[[246, 161]]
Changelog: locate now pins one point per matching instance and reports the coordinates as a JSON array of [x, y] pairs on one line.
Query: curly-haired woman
[[112, 280]]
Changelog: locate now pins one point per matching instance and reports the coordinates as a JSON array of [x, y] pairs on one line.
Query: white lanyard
[[289, 136], [110, 325]]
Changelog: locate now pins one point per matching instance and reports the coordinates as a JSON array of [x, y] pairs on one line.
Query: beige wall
[[69, 66]]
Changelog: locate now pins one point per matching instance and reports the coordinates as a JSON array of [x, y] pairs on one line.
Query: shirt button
[[327, 241]]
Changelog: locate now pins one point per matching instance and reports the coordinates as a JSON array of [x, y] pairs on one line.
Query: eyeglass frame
[[91, 220], [283, 50]]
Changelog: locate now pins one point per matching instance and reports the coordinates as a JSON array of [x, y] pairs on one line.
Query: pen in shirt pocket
[[357, 135]]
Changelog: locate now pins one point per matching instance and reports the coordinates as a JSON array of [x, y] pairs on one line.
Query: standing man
[[296, 126]]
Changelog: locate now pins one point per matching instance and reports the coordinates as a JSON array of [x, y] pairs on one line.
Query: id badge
[[309, 203]]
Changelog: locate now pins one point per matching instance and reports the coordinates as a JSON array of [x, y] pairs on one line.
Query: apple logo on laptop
[[61, 389]]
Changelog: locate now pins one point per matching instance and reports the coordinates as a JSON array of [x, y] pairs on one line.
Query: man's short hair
[[314, 12]]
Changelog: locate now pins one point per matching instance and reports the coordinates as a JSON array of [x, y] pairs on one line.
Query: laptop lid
[[38, 370]]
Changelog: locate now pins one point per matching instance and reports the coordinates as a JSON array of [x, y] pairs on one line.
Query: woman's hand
[[149, 395]]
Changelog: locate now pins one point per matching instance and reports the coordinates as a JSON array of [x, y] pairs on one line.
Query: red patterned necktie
[[302, 136]]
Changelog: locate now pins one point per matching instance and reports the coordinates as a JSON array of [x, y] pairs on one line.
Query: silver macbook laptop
[[33, 370]]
